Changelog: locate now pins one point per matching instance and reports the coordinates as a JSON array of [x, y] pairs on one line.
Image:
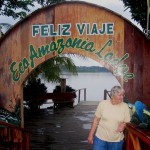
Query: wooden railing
[[13, 137], [53, 96], [106, 93], [79, 94], [136, 139], [58, 97]]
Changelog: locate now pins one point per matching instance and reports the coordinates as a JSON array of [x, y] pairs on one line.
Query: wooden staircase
[[13, 137]]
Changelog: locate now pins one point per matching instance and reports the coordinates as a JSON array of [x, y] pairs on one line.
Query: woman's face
[[119, 96]]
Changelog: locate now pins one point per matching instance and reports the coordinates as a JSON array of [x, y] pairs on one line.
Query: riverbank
[[65, 129]]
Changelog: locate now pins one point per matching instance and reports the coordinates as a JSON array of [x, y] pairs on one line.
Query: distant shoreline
[[91, 69], [88, 69]]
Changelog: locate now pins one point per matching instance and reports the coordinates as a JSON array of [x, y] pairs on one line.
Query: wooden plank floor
[[63, 129]]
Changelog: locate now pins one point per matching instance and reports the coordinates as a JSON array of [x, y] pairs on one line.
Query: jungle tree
[[138, 9]]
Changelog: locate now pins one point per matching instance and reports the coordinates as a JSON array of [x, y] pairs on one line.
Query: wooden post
[[0, 31], [63, 85], [22, 107], [79, 97], [105, 94], [84, 94], [148, 13]]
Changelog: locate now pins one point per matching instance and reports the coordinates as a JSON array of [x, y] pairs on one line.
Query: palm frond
[[52, 69]]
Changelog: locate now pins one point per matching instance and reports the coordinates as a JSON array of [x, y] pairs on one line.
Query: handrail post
[[79, 97], [84, 94], [105, 94]]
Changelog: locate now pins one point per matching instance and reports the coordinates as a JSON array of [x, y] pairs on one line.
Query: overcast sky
[[114, 5]]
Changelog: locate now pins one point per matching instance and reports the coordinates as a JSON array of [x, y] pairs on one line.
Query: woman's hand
[[121, 127], [90, 139]]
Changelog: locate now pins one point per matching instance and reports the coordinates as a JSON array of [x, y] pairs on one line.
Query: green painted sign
[[120, 68], [49, 30]]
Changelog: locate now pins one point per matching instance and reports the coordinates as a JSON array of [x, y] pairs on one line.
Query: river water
[[95, 84]]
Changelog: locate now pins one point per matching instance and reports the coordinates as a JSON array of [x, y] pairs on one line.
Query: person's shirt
[[110, 116]]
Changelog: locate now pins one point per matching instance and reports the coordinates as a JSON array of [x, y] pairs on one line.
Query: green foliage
[[14, 8], [48, 2], [33, 87], [20, 9], [53, 68], [50, 70], [138, 9]]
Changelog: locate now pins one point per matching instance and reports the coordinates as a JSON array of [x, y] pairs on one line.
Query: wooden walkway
[[63, 129]]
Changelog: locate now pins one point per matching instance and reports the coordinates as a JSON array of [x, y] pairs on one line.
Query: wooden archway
[[78, 28]]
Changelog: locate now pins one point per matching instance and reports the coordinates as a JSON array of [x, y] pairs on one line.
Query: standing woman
[[109, 122]]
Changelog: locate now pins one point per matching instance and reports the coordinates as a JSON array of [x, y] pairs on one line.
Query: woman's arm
[[93, 129]]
